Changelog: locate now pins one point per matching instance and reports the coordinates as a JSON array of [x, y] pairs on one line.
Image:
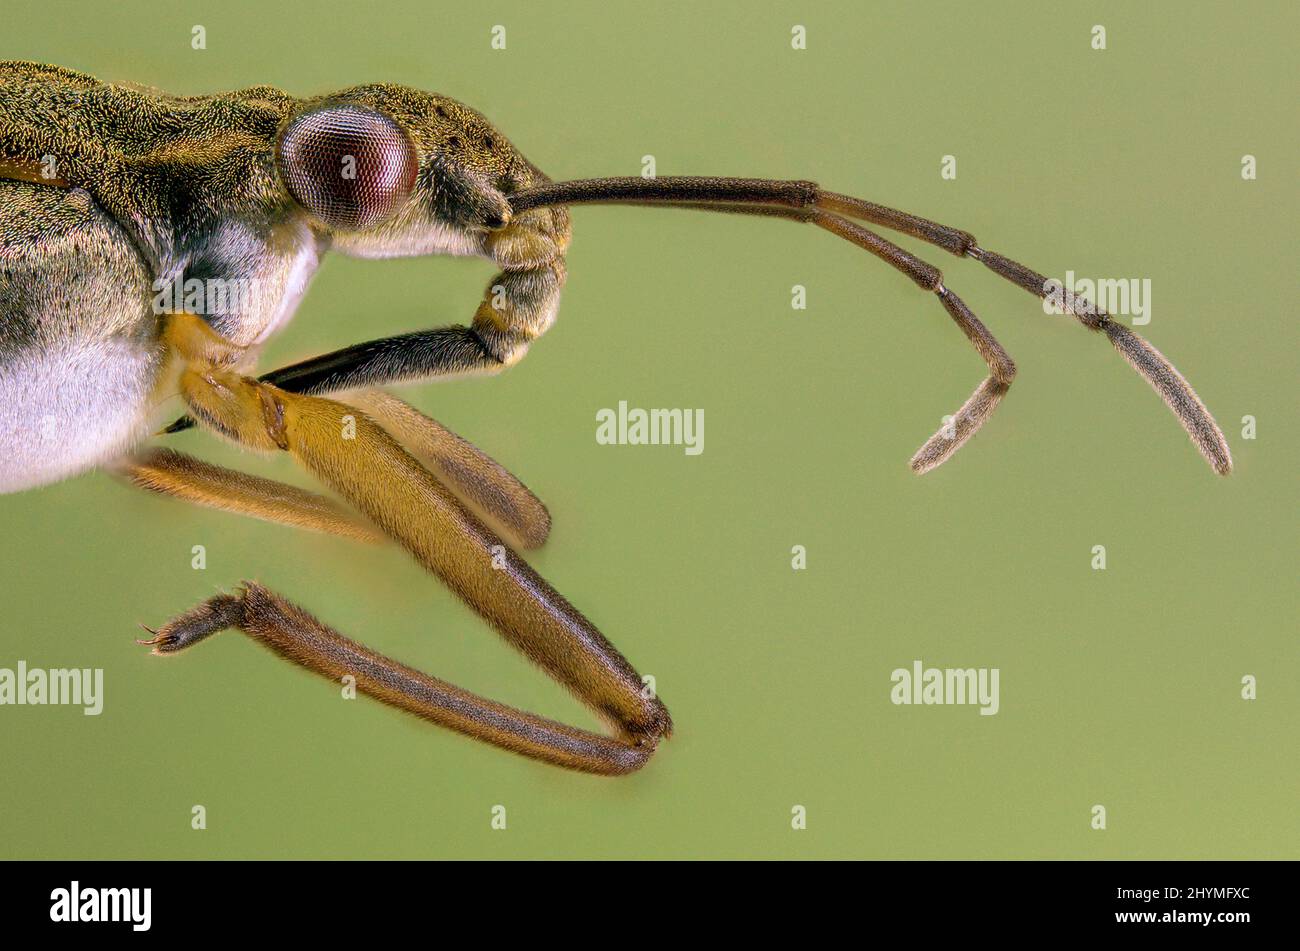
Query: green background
[[1119, 687]]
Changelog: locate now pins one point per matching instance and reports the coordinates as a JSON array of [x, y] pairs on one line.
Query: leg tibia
[[298, 637], [480, 482]]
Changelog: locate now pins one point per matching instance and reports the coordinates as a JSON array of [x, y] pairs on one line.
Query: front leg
[[518, 306]]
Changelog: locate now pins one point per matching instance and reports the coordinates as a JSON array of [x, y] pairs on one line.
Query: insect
[[150, 244]]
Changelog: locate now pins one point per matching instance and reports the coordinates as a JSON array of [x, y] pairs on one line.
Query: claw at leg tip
[[153, 641]]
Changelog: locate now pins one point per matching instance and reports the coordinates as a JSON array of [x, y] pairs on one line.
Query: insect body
[[150, 244]]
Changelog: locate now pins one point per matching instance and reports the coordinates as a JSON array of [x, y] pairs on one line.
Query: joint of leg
[[245, 411], [511, 356], [273, 415], [191, 338], [503, 347], [534, 240], [652, 725]]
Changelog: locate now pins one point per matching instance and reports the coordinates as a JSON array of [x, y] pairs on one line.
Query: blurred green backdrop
[[1118, 687]]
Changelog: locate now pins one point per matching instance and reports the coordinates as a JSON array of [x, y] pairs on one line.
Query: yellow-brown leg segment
[[192, 480], [485, 486], [363, 463]]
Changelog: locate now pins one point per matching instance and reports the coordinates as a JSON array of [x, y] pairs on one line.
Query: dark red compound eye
[[350, 167]]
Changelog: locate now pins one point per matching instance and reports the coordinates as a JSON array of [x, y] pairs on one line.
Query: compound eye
[[350, 167]]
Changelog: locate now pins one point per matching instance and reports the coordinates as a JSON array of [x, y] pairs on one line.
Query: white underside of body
[[70, 408], [302, 270]]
